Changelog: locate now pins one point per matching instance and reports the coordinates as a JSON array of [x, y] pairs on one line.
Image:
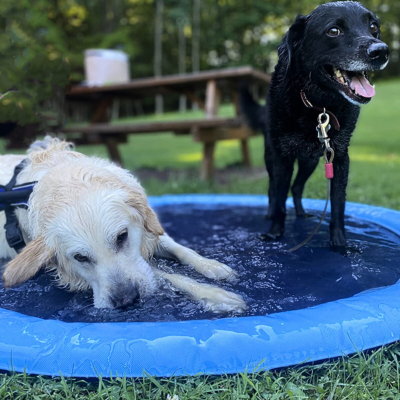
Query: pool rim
[[366, 320]]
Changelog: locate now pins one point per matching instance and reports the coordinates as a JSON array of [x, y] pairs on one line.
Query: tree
[[38, 36], [33, 57], [158, 40]]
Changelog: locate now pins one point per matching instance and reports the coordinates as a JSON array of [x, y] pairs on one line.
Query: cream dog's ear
[[27, 263], [151, 222], [138, 201]]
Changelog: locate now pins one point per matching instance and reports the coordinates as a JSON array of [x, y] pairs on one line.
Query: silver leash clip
[[322, 129]]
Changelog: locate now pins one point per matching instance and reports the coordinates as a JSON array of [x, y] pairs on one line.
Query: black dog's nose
[[378, 52], [124, 297]]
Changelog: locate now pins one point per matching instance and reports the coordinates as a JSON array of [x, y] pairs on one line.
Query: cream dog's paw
[[219, 301], [214, 269], [211, 297]]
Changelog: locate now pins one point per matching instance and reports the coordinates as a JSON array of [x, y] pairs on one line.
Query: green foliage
[[36, 36], [121, 24], [32, 56], [232, 32], [243, 32]]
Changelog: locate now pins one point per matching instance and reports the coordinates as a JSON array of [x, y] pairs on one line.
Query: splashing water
[[270, 280]]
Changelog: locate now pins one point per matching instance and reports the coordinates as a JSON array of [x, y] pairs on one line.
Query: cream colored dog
[[89, 221]]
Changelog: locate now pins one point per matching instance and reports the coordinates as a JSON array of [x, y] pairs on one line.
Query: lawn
[[375, 161], [374, 154]]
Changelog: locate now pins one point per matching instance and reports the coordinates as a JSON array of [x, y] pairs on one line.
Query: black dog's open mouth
[[354, 84]]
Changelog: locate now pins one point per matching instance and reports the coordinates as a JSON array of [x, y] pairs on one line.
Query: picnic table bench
[[206, 130]]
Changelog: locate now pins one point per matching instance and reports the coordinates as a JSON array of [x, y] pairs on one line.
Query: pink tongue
[[362, 86]]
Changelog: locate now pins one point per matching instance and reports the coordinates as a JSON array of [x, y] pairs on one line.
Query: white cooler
[[104, 67]]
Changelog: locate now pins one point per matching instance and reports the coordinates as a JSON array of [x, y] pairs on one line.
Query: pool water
[[270, 279]]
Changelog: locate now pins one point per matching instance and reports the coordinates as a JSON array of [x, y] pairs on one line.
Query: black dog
[[324, 61]]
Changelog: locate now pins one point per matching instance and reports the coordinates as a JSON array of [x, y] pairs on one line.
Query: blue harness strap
[[11, 197]]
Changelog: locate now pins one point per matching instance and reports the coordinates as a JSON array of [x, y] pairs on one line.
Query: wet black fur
[[290, 128]]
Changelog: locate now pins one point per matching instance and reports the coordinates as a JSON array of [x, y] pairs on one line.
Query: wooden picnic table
[[204, 88]]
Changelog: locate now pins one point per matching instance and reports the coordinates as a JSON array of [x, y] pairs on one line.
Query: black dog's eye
[[373, 28], [121, 238], [334, 32], [80, 258]]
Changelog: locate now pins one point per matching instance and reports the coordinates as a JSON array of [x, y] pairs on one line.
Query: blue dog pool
[[313, 304]]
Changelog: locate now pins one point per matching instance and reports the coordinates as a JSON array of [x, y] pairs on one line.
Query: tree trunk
[[182, 60], [196, 41], [158, 50]]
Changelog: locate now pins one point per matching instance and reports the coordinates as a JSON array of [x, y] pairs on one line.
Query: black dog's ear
[[292, 39]]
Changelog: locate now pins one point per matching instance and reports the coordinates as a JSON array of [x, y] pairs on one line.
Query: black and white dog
[[324, 61]]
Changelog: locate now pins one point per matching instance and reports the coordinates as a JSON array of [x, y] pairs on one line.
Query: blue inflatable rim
[[230, 345]]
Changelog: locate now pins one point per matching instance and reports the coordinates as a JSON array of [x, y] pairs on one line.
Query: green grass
[[372, 375], [166, 150], [375, 162], [374, 154]]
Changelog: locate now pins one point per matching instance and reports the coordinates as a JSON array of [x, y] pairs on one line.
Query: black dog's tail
[[253, 112]]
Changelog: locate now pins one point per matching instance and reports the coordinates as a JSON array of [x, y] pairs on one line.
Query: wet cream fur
[[79, 206]]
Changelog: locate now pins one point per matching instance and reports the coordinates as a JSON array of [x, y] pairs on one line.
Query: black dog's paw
[[300, 213], [269, 237], [274, 234], [304, 215], [338, 238]]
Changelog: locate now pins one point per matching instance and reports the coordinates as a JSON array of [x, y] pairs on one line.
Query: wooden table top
[[170, 83]]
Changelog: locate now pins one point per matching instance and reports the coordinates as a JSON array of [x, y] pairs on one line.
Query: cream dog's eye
[[121, 238], [80, 258]]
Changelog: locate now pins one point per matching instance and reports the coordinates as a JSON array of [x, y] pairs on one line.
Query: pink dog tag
[[329, 170]]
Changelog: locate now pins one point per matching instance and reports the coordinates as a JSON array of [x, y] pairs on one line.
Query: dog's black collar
[[15, 196], [308, 104]]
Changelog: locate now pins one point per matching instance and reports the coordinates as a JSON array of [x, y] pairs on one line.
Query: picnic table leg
[[207, 167], [244, 142], [113, 151], [245, 153], [213, 98], [99, 116]]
